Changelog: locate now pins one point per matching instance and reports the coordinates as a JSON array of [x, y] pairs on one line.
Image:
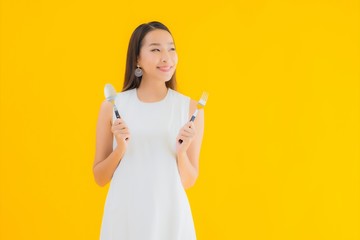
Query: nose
[[165, 57]]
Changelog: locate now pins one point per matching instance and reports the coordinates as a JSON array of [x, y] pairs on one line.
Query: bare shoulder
[[105, 112], [106, 106]]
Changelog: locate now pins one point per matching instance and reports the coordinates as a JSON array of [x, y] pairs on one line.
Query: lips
[[164, 68]]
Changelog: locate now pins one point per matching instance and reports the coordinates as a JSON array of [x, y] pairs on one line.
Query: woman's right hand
[[120, 131]]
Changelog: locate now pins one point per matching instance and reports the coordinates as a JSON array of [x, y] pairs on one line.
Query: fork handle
[[194, 116], [191, 120]]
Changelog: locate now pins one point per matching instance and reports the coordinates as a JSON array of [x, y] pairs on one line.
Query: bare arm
[[107, 159], [188, 152]]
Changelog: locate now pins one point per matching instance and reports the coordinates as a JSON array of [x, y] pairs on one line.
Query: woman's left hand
[[186, 134]]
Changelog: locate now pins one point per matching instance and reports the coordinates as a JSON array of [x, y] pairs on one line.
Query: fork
[[201, 104]]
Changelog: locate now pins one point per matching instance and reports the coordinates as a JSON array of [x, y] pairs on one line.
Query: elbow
[[100, 181], [190, 182], [186, 187]]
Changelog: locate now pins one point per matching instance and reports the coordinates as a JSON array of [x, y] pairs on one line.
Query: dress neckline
[[156, 102]]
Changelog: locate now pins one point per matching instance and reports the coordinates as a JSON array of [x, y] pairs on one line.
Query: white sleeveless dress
[[146, 199]]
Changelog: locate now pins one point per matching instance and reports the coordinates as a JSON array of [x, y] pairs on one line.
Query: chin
[[166, 79], [163, 78]]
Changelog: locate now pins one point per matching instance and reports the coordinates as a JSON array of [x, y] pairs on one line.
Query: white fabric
[[146, 199]]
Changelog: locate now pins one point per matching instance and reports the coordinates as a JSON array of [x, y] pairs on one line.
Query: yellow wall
[[280, 157]]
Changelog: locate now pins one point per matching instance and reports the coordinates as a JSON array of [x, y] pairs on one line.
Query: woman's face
[[158, 57]]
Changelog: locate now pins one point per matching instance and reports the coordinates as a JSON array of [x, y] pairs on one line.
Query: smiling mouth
[[164, 69]]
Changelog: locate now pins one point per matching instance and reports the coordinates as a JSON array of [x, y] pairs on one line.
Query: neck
[[151, 91]]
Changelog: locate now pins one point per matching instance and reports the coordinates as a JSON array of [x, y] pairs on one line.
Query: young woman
[[141, 153]]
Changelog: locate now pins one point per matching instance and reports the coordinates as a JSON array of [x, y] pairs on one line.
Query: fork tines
[[203, 99]]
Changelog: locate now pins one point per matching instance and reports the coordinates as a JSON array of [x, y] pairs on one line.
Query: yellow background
[[280, 156]]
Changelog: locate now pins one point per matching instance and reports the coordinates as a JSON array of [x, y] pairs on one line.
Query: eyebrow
[[158, 44]]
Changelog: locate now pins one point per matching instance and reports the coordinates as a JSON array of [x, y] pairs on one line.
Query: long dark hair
[[131, 81]]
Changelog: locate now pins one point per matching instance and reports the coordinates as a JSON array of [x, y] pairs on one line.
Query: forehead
[[157, 36]]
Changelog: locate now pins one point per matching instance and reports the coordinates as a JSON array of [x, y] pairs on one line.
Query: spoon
[[110, 95]]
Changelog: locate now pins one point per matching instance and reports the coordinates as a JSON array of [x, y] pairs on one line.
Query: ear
[[138, 61]]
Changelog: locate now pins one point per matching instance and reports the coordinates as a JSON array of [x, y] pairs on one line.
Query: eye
[[156, 49], [172, 49]]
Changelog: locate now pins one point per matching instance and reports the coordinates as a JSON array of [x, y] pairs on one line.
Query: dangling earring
[[138, 71]]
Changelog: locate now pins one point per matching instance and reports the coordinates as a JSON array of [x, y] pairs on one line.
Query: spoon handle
[[116, 112]]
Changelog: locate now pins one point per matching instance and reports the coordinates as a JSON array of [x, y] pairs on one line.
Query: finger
[[120, 127], [186, 138], [117, 121], [187, 126], [125, 132], [190, 125], [189, 130], [115, 129], [186, 135], [121, 133]]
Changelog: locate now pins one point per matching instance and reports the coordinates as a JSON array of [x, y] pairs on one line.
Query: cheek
[[175, 58], [147, 59]]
